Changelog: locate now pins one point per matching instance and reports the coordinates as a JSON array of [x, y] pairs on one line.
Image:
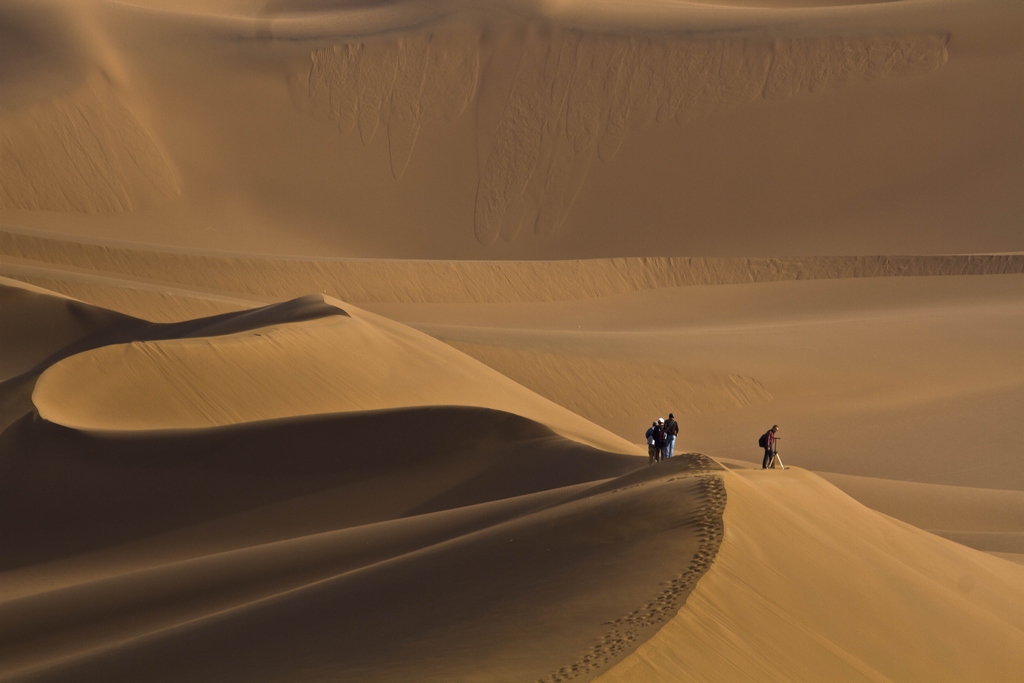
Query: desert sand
[[329, 333]]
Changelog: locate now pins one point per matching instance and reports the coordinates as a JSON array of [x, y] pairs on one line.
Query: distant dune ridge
[[401, 281], [330, 332]]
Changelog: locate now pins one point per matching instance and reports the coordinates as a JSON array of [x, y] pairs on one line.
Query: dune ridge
[[397, 281], [241, 367]]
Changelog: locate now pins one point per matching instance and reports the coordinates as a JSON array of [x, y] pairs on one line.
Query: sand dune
[[329, 332], [335, 509], [294, 523]]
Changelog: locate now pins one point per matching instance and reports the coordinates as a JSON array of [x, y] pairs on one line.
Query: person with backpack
[[767, 442], [671, 432], [659, 437], [652, 443]]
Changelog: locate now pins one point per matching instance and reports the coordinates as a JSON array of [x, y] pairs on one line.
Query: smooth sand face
[[329, 333]]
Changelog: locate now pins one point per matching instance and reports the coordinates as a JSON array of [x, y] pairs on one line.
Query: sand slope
[[810, 586]]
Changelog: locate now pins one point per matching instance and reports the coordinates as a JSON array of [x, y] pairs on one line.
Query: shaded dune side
[[58, 481], [82, 151], [576, 95], [414, 281], [300, 540], [35, 324]]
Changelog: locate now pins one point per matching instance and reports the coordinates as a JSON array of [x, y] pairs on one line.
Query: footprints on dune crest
[[627, 632], [575, 97]]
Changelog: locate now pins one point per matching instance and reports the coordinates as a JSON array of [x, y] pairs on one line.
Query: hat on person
[[661, 420]]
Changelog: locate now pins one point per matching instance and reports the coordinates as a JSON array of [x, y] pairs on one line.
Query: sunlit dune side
[[983, 518], [82, 151], [590, 386], [810, 586], [333, 364], [576, 96]]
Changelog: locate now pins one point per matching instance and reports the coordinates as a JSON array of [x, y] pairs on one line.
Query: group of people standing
[[661, 438], [661, 442]]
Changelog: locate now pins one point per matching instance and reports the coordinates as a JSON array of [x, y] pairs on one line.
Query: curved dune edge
[[36, 322], [809, 585], [355, 361], [416, 281]]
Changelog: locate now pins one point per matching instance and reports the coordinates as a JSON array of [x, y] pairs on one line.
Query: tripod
[[775, 455]]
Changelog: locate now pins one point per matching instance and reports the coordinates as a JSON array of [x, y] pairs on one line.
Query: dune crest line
[[422, 281]]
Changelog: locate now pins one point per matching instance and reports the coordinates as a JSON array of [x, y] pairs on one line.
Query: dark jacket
[[658, 434], [671, 427]]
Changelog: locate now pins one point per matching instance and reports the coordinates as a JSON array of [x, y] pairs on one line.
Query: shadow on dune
[[64, 492]]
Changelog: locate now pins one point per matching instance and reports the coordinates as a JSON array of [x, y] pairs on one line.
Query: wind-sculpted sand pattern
[[575, 97], [83, 151], [396, 83], [627, 632]]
